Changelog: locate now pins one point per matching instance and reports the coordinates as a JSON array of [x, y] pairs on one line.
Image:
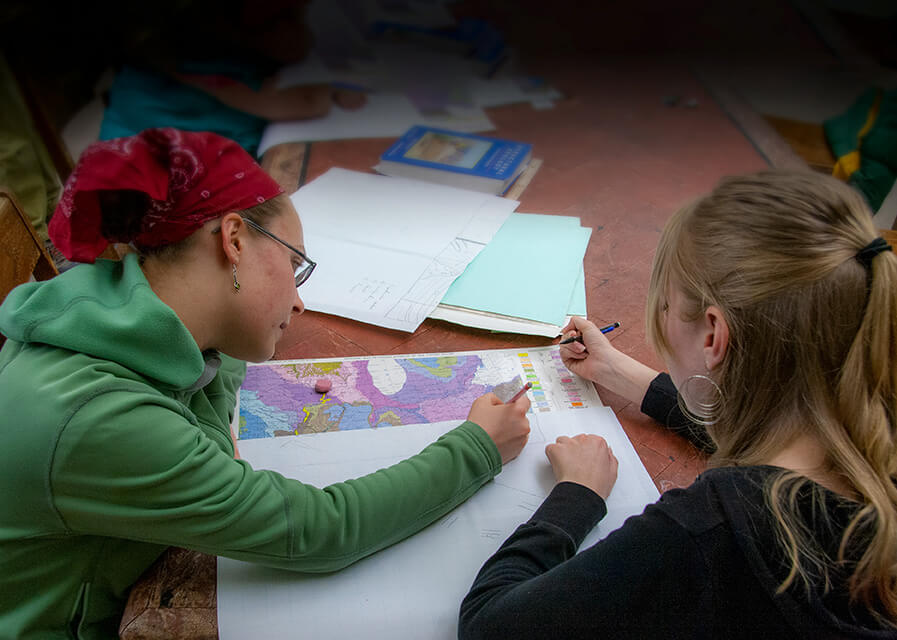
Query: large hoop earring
[[236, 284], [706, 412]]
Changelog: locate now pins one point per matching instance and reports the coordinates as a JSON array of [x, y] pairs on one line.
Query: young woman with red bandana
[[118, 382]]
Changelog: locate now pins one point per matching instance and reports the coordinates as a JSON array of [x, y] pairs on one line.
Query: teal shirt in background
[[877, 146], [140, 99]]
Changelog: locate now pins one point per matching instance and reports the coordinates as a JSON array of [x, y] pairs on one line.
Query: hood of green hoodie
[[109, 311]]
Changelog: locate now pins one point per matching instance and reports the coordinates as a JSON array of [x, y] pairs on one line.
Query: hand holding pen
[[524, 389], [585, 350], [505, 422], [579, 338]]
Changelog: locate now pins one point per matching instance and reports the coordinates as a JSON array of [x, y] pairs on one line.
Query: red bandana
[[190, 178]]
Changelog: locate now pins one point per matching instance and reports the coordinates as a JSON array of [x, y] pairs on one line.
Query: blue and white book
[[452, 158]]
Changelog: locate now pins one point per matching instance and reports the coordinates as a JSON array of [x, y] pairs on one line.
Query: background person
[[212, 66]]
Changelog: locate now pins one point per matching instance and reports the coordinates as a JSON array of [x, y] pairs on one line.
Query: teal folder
[[531, 269]]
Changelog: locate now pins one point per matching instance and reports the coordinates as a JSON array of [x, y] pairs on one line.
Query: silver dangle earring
[[704, 412], [236, 284]]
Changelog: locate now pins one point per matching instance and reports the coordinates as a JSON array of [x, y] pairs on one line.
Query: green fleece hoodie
[[115, 444]]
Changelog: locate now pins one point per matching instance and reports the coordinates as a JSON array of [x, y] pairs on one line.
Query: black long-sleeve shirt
[[660, 402], [702, 562]]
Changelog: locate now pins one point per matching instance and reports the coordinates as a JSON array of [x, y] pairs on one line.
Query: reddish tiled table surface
[[615, 156]]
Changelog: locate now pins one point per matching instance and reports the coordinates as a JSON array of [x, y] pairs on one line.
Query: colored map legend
[[554, 386]]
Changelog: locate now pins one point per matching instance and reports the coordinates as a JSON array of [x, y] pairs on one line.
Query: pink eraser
[[323, 385]]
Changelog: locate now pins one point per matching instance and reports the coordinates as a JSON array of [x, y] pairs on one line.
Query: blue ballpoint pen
[[578, 339]]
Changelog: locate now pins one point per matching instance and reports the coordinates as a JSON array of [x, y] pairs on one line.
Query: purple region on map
[[434, 389], [276, 390]]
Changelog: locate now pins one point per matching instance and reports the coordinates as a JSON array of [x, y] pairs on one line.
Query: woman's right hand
[[506, 424], [593, 359], [597, 360], [584, 459]]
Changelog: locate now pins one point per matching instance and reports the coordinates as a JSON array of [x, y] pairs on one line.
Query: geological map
[[278, 398]]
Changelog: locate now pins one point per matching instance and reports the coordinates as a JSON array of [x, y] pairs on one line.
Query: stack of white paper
[[389, 248]]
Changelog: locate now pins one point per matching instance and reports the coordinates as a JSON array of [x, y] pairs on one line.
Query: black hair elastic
[[865, 255]]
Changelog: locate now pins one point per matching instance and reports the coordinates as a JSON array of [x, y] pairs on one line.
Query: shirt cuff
[[573, 508], [485, 444], [661, 398]]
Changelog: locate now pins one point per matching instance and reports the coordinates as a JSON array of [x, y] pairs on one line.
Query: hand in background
[[584, 459], [347, 99], [294, 103], [274, 103], [506, 424]]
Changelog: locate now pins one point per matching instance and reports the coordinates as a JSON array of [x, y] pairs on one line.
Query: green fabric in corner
[[864, 139], [25, 165]]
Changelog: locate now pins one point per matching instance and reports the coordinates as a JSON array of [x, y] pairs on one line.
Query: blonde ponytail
[[867, 405]]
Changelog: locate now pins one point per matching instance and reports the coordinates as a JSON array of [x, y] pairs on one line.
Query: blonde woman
[[774, 304]]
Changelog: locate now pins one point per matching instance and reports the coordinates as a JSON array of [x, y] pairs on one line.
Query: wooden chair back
[[22, 254]]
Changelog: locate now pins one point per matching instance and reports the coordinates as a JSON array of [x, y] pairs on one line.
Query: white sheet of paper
[[414, 588], [384, 115], [381, 211], [422, 299], [504, 89], [344, 285], [388, 248]]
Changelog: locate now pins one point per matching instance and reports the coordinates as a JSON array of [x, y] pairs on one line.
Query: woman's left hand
[[584, 459]]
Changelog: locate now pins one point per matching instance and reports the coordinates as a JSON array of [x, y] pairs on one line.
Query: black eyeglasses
[[303, 270]]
